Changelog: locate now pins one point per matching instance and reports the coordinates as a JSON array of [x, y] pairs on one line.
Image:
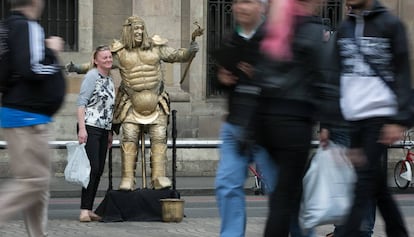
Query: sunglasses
[[102, 48]]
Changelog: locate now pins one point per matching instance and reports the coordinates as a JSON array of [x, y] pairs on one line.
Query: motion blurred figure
[[235, 155], [35, 92], [293, 67], [375, 97]]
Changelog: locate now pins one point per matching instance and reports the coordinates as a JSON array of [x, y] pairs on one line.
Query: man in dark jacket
[[375, 92], [35, 91]]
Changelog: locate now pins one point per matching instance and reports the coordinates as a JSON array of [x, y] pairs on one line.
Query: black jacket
[[302, 86], [243, 96], [36, 83], [373, 51]]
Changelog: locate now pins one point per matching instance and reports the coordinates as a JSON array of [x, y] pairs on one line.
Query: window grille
[[60, 17], [220, 21], [331, 12]]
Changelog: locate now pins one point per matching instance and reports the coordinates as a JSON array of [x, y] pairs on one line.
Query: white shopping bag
[[78, 168], [328, 188]]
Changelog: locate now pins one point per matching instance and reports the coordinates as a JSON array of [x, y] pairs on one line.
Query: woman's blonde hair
[[95, 52]]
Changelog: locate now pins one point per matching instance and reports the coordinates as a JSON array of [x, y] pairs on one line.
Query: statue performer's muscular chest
[[140, 69], [138, 59]]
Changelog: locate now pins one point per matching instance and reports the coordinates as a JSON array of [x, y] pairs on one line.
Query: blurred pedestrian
[[338, 130], [294, 63], [339, 133], [35, 92], [375, 95], [95, 111], [232, 169]]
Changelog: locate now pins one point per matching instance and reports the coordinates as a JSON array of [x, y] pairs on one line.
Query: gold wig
[[127, 38]]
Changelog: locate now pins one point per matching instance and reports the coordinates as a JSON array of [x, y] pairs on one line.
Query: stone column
[[85, 25], [164, 18]]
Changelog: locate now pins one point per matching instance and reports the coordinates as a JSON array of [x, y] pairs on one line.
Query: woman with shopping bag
[[95, 109]]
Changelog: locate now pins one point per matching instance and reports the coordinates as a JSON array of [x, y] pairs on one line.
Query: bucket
[[172, 209]]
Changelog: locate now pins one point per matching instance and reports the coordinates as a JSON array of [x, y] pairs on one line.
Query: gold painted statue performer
[[142, 104]]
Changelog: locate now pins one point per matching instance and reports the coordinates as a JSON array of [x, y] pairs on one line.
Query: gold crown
[[133, 20]]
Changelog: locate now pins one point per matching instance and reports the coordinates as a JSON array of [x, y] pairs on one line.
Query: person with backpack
[[35, 92]]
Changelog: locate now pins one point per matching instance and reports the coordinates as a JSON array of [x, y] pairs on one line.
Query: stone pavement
[[67, 226], [189, 227]]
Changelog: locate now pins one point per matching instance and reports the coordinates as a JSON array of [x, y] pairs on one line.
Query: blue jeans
[[232, 173]]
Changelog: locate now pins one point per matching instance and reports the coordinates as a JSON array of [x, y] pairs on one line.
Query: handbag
[[78, 168], [327, 188]]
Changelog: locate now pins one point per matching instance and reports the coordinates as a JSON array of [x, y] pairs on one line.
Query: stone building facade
[[198, 116]]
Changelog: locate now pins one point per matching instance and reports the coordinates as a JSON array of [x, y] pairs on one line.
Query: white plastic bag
[[328, 188], [78, 168]]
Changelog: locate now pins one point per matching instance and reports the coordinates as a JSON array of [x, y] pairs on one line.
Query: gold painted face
[[138, 30]]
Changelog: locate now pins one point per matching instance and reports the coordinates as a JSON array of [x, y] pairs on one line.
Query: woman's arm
[[82, 134]]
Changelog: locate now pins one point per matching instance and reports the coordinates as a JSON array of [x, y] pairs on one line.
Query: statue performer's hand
[[71, 67], [194, 47]]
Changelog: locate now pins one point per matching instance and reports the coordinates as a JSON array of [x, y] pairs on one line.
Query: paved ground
[[189, 227]]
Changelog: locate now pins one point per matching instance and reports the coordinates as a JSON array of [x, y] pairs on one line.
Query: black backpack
[[4, 56]]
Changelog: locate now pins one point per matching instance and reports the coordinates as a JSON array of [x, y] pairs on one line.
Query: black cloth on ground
[[137, 205]]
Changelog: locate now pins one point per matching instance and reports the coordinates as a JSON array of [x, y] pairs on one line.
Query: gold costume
[[142, 104]]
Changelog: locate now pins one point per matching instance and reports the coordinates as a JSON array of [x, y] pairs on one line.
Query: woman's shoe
[[94, 217], [84, 216]]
